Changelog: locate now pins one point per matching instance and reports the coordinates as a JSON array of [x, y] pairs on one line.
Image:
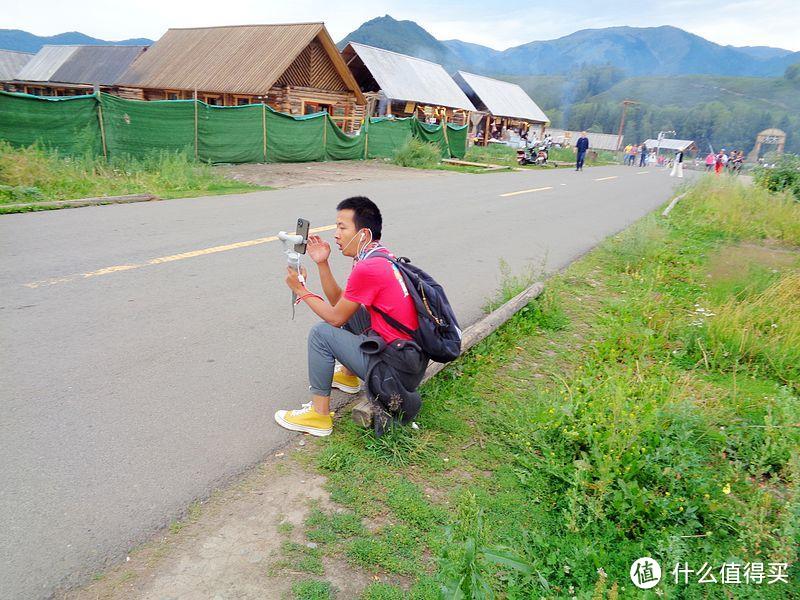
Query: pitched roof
[[11, 62], [403, 77], [79, 64], [668, 144], [246, 59], [500, 98], [597, 141]]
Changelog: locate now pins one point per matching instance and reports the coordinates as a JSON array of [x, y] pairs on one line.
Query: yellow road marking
[[541, 189], [166, 259], [607, 178]]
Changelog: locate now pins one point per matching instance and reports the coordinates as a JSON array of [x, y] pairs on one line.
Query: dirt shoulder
[[290, 175]]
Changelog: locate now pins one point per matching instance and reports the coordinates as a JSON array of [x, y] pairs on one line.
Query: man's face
[[345, 232]]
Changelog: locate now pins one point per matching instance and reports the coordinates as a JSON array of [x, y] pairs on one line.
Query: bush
[[784, 176], [417, 154]]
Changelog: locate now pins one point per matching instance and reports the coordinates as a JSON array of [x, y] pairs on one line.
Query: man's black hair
[[365, 214]]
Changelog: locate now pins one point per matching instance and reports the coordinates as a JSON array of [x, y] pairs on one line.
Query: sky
[[509, 23]]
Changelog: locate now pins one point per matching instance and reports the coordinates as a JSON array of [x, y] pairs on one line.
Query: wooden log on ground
[[466, 163], [362, 412], [86, 201], [672, 204]]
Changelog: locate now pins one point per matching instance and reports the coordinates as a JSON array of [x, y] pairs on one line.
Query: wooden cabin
[[73, 70], [403, 86], [505, 105], [294, 68]]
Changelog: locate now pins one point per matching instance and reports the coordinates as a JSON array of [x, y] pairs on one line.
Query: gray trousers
[[327, 344]]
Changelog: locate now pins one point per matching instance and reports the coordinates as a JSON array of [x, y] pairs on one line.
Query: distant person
[[634, 152], [677, 165], [720, 160], [582, 145], [643, 156], [627, 154], [711, 159], [738, 161]]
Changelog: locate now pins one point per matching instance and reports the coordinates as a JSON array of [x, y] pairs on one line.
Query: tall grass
[[723, 205], [418, 154], [754, 334], [34, 174]]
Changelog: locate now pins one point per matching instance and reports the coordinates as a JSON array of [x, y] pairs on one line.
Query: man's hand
[[293, 282], [318, 249]]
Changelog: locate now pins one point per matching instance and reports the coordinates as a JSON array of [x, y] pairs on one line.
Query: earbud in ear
[[362, 235]]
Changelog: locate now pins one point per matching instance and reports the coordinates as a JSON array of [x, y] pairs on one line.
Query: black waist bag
[[438, 333]]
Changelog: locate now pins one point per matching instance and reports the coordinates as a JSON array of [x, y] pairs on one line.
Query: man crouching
[[354, 328]]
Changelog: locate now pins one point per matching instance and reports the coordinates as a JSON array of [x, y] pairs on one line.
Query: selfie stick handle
[[292, 256]]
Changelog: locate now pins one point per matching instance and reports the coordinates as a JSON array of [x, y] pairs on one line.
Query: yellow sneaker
[[350, 384], [305, 419]]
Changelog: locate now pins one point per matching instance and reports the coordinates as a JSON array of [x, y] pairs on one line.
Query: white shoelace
[[307, 407]]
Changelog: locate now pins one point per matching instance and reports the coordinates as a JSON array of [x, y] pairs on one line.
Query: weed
[[328, 528], [418, 154], [312, 589], [297, 558], [35, 174]]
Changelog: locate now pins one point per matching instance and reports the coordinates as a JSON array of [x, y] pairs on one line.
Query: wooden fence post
[[264, 126], [102, 128], [324, 135], [366, 138], [444, 132], [195, 124]]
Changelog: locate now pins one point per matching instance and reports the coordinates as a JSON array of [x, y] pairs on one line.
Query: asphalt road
[[143, 356]]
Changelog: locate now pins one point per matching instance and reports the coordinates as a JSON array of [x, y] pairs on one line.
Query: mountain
[[16, 39], [662, 50], [762, 51], [637, 51], [405, 37]]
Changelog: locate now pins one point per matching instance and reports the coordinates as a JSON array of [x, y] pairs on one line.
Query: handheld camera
[[294, 246]]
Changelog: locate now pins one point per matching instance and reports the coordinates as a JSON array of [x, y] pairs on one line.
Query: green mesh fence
[[457, 140], [433, 134], [138, 128], [218, 134], [69, 125], [386, 136], [231, 134]]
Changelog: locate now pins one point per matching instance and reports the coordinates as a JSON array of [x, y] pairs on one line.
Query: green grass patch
[[312, 589], [33, 175], [329, 528], [644, 406], [298, 558]]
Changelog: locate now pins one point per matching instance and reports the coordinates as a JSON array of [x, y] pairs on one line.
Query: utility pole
[[625, 105]]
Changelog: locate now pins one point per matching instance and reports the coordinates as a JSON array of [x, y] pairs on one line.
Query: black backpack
[[438, 334]]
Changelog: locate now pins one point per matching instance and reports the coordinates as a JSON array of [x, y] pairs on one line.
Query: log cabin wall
[[310, 84]]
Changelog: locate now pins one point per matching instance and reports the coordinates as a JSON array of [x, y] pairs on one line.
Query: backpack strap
[[394, 322], [388, 318]]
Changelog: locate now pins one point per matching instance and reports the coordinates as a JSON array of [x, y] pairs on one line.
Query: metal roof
[[12, 61], [668, 144], [500, 98], [597, 141], [403, 77], [246, 59], [45, 62], [79, 64]]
